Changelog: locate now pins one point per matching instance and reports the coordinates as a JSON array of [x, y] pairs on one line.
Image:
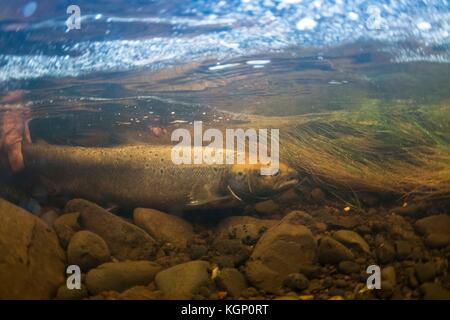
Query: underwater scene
[[225, 150]]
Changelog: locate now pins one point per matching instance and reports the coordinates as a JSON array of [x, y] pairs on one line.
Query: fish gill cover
[[185, 31]]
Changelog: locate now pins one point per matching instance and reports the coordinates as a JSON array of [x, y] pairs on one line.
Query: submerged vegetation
[[401, 149]]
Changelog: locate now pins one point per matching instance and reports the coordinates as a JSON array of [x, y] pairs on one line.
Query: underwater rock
[[317, 195], [351, 239], [233, 249], [290, 196], [279, 252], [412, 210], [87, 250], [369, 199], [247, 233], [399, 228], [433, 291], [403, 249], [227, 225], [65, 293], [385, 253], [125, 240], [232, 281], [435, 229], [332, 251], [66, 226], [140, 293], [343, 222], [349, 267], [197, 251], [310, 270], [296, 282], [184, 280], [267, 208], [434, 224], [389, 274], [50, 217], [426, 272], [164, 227], [32, 206], [437, 241], [119, 276], [32, 261]]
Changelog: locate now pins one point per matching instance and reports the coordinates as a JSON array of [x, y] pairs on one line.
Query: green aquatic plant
[[397, 148]]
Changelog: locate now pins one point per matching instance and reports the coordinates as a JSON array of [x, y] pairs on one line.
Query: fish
[[145, 176]]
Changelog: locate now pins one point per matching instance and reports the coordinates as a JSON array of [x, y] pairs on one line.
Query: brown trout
[[145, 176]]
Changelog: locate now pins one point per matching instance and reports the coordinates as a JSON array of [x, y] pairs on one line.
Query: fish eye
[[240, 173]]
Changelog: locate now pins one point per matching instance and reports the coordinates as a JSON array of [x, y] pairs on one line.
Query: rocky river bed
[[298, 246]]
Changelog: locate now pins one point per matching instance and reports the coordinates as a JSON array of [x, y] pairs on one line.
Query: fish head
[[247, 183]]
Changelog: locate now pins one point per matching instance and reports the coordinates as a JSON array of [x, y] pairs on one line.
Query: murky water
[[137, 66]]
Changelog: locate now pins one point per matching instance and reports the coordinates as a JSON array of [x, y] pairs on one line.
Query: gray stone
[[164, 227], [32, 263], [279, 252], [125, 240], [232, 281], [87, 250], [183, 281], [351, 239], [333, 252], [119, 276], [66, 226]]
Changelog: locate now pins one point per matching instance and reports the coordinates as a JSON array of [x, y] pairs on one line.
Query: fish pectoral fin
[[202, 195], [235, 196], [209, 202]]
